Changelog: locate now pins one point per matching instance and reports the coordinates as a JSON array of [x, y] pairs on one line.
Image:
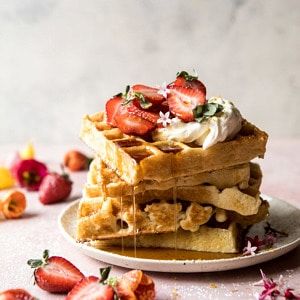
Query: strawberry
[[132, 120], [184, 79], [55, 274], [183, 100], [112, 106], [15, 294], [55, 188], [89, 288], [76, 161], [149, 93], [135, 285]]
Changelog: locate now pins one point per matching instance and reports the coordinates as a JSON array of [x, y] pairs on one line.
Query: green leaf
[[210, 109], [128, 98], [104, 273], [202, 112], [144, 103], [186, 76], [35, 263]]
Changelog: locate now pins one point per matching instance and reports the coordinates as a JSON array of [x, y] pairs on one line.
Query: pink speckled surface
[[38, 230]]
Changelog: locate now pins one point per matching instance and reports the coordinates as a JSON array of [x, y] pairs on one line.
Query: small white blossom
[[163, 90], [164, 118], [249, 250]]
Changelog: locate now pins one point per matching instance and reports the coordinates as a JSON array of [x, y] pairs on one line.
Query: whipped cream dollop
[[224, 125]]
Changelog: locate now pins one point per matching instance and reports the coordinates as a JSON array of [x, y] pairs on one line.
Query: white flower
[[249, 250], [163, 90], [164, 118]]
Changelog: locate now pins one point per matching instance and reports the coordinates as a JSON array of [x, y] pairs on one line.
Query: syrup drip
[[122, 238], [134, 220]]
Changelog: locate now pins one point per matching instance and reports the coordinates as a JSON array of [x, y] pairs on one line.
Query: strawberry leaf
[[35, 263], [104, 273], [186, 76]]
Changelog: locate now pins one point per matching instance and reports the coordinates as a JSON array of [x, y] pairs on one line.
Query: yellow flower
[[6, 178], [28, 151]]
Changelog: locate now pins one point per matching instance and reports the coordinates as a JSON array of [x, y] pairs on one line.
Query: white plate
[[282, 216]]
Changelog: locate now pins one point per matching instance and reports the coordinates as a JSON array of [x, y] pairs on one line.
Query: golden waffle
[[245, 202], [100, 218], [134, 159], [208, 239], [100, 177]]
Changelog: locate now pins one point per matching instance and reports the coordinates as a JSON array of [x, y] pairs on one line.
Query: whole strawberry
[[55, 274], [76, 161], [55, 188]]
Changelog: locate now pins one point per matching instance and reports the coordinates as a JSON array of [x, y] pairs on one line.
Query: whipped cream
[[224, 125]]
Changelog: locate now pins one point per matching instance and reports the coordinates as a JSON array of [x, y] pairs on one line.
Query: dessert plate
[[283, 217]]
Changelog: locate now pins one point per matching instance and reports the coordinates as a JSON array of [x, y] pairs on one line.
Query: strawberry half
[[16, 294], [183, 100], [89, 288], [184, 79], [132, 120], [112, 107], [136, 285], [55, 274], [150, 93]]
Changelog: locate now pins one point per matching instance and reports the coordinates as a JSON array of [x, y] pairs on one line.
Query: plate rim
[[284, 248]]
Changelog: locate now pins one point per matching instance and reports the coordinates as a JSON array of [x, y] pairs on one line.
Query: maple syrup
[[134, 220], [122, 238], [169, 254]]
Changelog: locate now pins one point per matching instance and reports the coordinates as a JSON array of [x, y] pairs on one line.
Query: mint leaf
[[210, 109], [202, 112], [144, 103], [129, 96]]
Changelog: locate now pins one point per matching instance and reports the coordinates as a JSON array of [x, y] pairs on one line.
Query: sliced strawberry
[[145, 114], [55, 274], [135, 285], [15, 294], [132, 120], [183, 100], [183, 79], [150, 93], [112, 106], [89, 288]]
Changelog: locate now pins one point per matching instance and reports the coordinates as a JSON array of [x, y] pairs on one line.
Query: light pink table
[[38, 230]]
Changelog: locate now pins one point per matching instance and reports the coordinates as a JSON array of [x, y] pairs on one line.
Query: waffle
[[134, 159], [208, 239], [244, 202], [100, 218], [100, 177]]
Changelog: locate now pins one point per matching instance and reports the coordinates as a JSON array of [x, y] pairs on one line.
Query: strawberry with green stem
[[55, 188], [55, 274]]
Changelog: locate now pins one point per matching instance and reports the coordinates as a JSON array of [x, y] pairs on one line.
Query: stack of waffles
[[168, 194]]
